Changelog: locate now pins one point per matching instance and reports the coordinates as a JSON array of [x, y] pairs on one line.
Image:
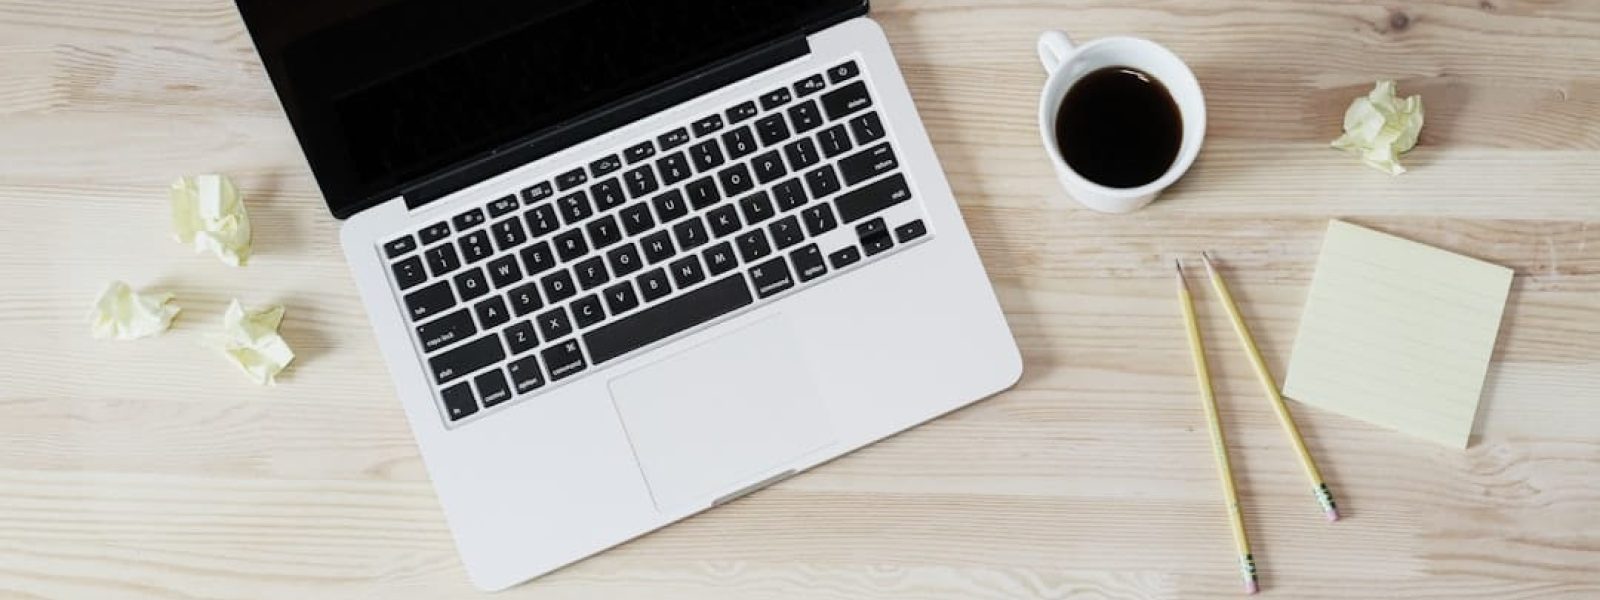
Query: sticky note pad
[[1397, 333]]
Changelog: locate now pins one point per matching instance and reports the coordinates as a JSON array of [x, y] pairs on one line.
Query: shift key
[[863, 202], [462, 361]]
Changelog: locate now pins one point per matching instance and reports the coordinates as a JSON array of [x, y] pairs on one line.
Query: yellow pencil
[[1219, 445], [1270, 385]]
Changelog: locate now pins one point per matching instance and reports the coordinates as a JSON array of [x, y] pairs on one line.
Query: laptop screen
[[385, 92]]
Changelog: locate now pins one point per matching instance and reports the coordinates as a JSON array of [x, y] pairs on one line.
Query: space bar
[[658, 322]]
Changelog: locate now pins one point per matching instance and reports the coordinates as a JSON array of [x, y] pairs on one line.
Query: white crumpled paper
[[1378, 127], [208, 213], [122, 314], [250, 339]]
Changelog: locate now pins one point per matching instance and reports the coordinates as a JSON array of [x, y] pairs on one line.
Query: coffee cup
[[1121, 160]]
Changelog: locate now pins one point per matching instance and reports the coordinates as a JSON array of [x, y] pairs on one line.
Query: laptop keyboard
[[728, 212]]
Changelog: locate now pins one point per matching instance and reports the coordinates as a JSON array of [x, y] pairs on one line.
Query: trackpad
[[721, 416]]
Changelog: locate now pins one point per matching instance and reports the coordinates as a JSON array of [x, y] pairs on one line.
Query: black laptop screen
[[385, 92]]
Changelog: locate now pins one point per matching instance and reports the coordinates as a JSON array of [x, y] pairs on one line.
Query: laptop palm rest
[[722, 416]]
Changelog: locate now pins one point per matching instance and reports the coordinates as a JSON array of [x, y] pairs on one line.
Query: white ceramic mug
[[1067, 63]]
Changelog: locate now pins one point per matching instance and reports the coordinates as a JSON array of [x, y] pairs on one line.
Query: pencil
[[1270, 385], [1219, 445]]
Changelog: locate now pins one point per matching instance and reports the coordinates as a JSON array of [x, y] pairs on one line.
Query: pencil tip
[[1178, 264]]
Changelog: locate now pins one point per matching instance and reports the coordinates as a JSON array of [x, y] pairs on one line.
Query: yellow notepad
[[1397, 333]]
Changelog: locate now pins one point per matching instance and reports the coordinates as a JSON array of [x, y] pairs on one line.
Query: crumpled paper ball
[[1378, 128], [121, 314], [208, 213], [250, 340]]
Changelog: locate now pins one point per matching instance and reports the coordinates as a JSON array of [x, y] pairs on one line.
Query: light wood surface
[[152, 470]]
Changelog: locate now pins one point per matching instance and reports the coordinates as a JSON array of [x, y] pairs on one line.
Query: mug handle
[[1054, 47]]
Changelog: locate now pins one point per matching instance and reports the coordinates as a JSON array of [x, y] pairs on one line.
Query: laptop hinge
[[623, 112]]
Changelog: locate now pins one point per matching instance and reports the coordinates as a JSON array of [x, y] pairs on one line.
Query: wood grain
[[150, 470]]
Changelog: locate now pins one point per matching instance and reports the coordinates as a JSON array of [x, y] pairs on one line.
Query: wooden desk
[[151, 469]]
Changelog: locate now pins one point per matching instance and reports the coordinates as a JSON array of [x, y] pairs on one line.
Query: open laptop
[[630, 259]]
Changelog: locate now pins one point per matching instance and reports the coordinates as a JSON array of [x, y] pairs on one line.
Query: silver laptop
[[630, 259]]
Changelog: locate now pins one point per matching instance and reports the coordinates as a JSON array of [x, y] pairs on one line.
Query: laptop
[[627, 260]]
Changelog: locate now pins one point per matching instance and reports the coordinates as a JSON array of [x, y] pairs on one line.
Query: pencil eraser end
[[1251, 588], [1333, 514]]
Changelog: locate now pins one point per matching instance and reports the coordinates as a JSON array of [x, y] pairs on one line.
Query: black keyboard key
[[434, 232], [625, 259], [591, 273], [574, 207], [845, 71], [691, 233], [707, 126], [835, 141], [657, 247], [844, 257], [475, 246], [429, 301], [492, 312], [538, 258], [604, 231], [724, 220], [502, 206], [871, 228], [504, 271], [459, 402], [801, 153], [706, 155], [605, 166], [442, 259], [536, 192], [720, 259], [786, 232], [736, 180], [819, 219], [620, 298], [768, 167], [867, 164], [808, 263], [686, 271], [564, 360], [608, 194], [658, 322], [477, 354], [525, 375], [492, 387], [636, 218], [670, 206], [399, 246], [508, 234], [674, 168], [469, 219], [639, 151], [790, 194], [553, 324], [408, 273], [641, 181], [845, 101], [525, 299], [772, 129], [753, 245], [558, 286], [471, 284], [771, 277], [521, 338], [808, 86], [571, 179], [740, 142], [570, 245], [910, 231], [587, 311], [673, 139], [542, 220], [446, 330], [653, 285], [702, 192], [757, 207], [868, 200], [805, 116], [867, 128], [775, 98], [822, 181], [877, 243], [742, 111]]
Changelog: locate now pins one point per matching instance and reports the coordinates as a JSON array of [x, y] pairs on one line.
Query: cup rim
[[1186, 154]]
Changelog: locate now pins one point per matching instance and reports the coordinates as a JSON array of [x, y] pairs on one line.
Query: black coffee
[[1119, 127]]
